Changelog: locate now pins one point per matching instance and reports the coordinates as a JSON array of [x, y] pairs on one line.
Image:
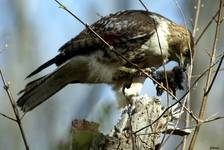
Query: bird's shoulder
[[116, 28]]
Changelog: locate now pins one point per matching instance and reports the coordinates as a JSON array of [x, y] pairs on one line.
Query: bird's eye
[[186, 53]]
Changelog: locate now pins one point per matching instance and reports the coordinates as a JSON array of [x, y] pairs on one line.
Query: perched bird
[[86, 59]]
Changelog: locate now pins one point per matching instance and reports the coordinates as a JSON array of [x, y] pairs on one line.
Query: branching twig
[[141, 70], [6, 116], [208, 81], [190, 127], [120, 55], [113, 50], [161, 52], [183, 105], [164, 112], [15, 110], [187, 98], [214, 119]]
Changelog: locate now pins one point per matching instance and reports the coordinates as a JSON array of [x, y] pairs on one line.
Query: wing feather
[[125, 31]]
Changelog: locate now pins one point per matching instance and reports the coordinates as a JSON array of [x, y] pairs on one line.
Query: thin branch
[[117, 53], [124, 58], [113, 50], [214, 119], [181, 12], [208, 85], [216, 73], [15, 110], [187, 98], [208, 25], [139, 69], [186, 101], [131, 129], [161, 52], [6, 116], [143, 5], [196, 18], [186, 128], [212, 116], [181, 143], [120, 55], [164, 112]]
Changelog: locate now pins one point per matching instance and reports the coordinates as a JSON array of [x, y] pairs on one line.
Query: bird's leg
[[134, 81], [128, 70], [132, 89], [131, 82], [135, 72], [125, 86]]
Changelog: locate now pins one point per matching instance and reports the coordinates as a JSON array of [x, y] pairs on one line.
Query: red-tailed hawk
[[86, 59]]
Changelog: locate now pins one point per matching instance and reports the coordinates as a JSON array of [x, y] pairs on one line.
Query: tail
[[54, 60], [74, 71], [40, 90]]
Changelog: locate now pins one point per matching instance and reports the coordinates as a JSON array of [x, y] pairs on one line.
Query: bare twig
[[178, 145], [186, 101], [113, 50], [183, 105], [134, 65], [124, 58], [164, 112], [187, 98], [143, 5], [185, 128], [6, 116], [161, 52], [120, 55], [214, 119], [181, 12], [208, 25], [208, 81], [216, 73], [131, 129], [196, 18], [15, 110], [206, 121]]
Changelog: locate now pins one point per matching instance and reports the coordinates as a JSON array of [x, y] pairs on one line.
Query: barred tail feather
[[74, 71], [39, 90], [45, 65]]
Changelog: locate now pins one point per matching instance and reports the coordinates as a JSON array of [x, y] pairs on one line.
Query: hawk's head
[[181, 44]]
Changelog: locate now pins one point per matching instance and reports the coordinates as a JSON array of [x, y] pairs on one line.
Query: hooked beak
[[183, 62]]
